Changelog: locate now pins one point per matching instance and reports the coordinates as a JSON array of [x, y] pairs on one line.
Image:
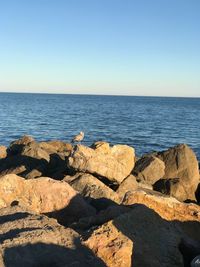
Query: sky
[[117, 47]]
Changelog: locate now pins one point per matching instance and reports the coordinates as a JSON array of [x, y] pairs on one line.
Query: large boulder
[[23, 156], [16, 146], [114, 163], [44, 195], [149, 234], [168, 208], [137, 238], [33, 150], [149, 169], [130, 184], [30, 159], [181, 165], [96, 192], [111, 245], [33, 240]]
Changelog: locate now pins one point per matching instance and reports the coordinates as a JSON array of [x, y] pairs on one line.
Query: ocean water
[[146, 123]]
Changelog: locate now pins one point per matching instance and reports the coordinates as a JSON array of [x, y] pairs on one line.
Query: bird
[[78, 138]]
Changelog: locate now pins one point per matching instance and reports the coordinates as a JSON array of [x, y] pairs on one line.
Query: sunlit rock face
[[114, 163]]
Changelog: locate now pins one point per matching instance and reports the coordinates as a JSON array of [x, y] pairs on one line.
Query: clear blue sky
[[143, 47]]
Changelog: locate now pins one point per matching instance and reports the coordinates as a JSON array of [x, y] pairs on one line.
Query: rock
[[100, 218], [24, 156], [130, 184], [181, 162], [22, 165], [110, 245], [36, 240], [166, 186], [168, 208], [185, 216], [32, 174], [33, 150], [114, 163], [17, 146], [57, 167], [137, 238], [44, 195], [18, 170], [97, 193], [36, 160], [3, 152], [149, 169], [56, 146]]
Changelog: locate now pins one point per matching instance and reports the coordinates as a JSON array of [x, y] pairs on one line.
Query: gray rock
[[181, 165]]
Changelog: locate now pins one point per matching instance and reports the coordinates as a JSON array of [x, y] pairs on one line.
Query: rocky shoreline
[[65, 205]]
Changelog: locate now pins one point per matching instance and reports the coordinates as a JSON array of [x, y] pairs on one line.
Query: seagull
[[78, 138]]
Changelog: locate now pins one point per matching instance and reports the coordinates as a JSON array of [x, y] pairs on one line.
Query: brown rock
[[56, 146], [17, 145], [36, 160], [168, 208], [137, 238], [97, 193], [114, 163], [33, 150], [33, 174], [22, 165], [18, 170], [100, 218], [36, 240], [130, 184], [109, 244], [44, 195], [181, 164], [149, 169], [3, 152]]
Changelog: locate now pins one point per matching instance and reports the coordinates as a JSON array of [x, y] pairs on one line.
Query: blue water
[[146, 123]]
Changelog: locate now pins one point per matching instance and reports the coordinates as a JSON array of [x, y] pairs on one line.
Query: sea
[[145, 123]]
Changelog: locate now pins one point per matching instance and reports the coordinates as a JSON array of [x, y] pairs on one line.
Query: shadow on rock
[[15, 233], [50, 255], [22, 165], [156, 241], [76, 209], [30, 167], [13, 217]]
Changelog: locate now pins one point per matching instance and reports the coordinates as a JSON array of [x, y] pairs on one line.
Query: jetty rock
[[148, 234], [130, 184], [149, 169], [181, 176], [137, 238], [28, 239], [44, 196], [167, 207], [16, 146], [114, 163], [93, 190], [30, 159]]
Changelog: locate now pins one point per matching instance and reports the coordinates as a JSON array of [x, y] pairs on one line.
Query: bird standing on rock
[[78, 138]]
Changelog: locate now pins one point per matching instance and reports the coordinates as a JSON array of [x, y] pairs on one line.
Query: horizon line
[[90, 94]]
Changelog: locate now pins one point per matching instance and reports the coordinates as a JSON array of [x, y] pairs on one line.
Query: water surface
[[146, 123]]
